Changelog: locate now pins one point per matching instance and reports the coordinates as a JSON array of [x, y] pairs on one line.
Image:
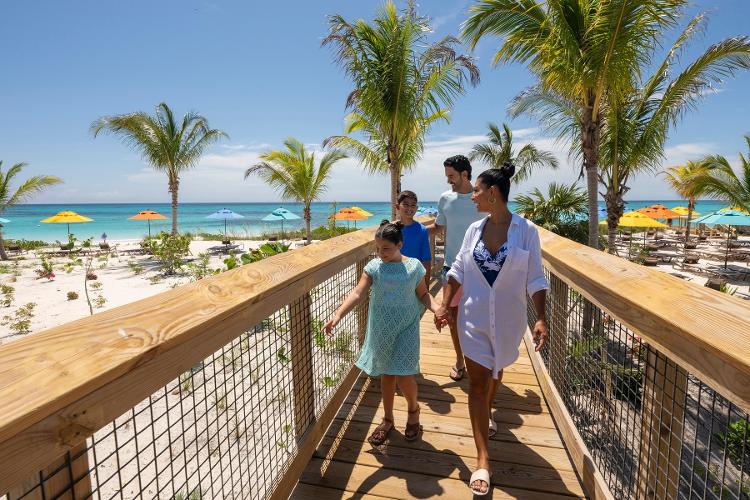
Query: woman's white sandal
[[480, 475]]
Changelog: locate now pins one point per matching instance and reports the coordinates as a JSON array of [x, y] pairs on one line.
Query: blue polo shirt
[[416, 242]]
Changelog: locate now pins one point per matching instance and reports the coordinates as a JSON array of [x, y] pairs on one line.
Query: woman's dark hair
[[459, 163], [407, 195], [499, 177], [390, 231]]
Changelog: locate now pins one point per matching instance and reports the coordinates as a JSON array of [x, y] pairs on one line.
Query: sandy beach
[[122, 276]]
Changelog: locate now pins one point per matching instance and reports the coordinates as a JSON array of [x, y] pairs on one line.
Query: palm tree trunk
[[395, 190], [590, 138], [3, 255], [308, 219], [173, 187], [691, 207], [615, 209]]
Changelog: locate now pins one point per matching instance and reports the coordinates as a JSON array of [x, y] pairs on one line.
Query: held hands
[[442, 316], [540, 334], [328, 327]]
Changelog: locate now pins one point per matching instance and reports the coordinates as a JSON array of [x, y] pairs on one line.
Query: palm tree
[[164, 143], [402, 85], [635, 126], [27, 189], [562, 210], [585, 52], [294, 173], [686, 181], [721, 181], [500, 150]]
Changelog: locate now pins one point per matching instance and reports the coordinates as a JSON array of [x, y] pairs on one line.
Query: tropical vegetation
[[563, 210], [168, 145], [10, 197], [635, 125], [402, 85], [295, 174], [720, 181], [685, 181], [590, 54], [500, 149]]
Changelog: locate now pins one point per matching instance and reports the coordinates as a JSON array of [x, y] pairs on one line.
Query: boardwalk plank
[[529, 460]]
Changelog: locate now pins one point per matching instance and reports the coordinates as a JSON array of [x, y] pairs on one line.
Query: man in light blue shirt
[[456, 212]]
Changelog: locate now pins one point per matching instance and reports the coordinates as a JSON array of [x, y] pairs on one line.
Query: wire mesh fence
[[230, 426], [653, 429]]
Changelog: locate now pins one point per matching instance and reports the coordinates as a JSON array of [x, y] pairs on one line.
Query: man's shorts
[[444, 280]]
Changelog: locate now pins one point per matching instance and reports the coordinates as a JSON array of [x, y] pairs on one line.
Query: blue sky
[[256, 70]]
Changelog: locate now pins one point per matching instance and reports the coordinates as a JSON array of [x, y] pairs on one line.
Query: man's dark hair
[[459, 163]]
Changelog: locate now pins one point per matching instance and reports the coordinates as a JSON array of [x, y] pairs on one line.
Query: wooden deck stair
[[529, 458]]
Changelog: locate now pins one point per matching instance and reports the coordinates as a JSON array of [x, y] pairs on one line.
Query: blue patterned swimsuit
[[489, 264], [391, 344]]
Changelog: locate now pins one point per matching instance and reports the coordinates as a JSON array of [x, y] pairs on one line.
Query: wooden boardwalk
[[529, 458]]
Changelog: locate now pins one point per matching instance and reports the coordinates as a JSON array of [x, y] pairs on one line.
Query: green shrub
[[135, 267], [20, 321], [7, 293], [99, 301], [72, 295], [45, 271], [737, 442], [170, 250]]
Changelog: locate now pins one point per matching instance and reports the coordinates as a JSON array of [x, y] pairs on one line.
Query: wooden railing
[[214, 389], [224, 387], [648, 376]]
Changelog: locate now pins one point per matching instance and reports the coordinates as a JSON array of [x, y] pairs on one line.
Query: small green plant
[[99, 301], [329, 381], [286, 441], [135, 267], [7, 292], [156, 279], [4, 269], [282, 356], [45, 271], [729, 290], [193, 495], [231, 262], [72, 295], [96, 285], [221, 401], [201, 269], [170, 250], [186, 382], [20, 321], [737, 442]]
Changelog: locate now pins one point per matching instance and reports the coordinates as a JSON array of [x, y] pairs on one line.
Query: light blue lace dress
[[392, 340]]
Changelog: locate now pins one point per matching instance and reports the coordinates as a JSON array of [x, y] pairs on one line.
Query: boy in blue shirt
[[416, 237]]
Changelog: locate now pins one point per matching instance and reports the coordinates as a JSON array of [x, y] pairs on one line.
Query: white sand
[[119, 283]]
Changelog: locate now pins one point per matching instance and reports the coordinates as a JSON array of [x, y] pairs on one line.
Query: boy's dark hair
[[499, 177], [407, 195], [390, 231], [459, 163]]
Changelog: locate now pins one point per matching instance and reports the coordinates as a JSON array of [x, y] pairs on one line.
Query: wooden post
[[302, 364], [361, 309], [662, 412], [558, 325], [67, 478]]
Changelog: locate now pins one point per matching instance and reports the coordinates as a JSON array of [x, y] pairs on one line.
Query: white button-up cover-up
[[492, 320]]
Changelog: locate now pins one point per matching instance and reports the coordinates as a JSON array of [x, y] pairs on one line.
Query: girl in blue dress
[[391, 347]]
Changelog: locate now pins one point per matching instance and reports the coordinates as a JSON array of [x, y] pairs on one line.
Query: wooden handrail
[[705, 332], [59, 386]]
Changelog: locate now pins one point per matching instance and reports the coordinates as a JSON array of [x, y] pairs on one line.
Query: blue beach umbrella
[[726, 218], [426, 211], [280, 215], [225, 214]]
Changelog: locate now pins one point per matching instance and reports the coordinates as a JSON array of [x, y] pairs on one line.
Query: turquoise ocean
[[112, 219]]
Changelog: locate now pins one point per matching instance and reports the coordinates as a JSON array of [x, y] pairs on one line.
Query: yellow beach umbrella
[[734, 209], [683, 211], [362, 211], [66, 217], [636, 219]]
